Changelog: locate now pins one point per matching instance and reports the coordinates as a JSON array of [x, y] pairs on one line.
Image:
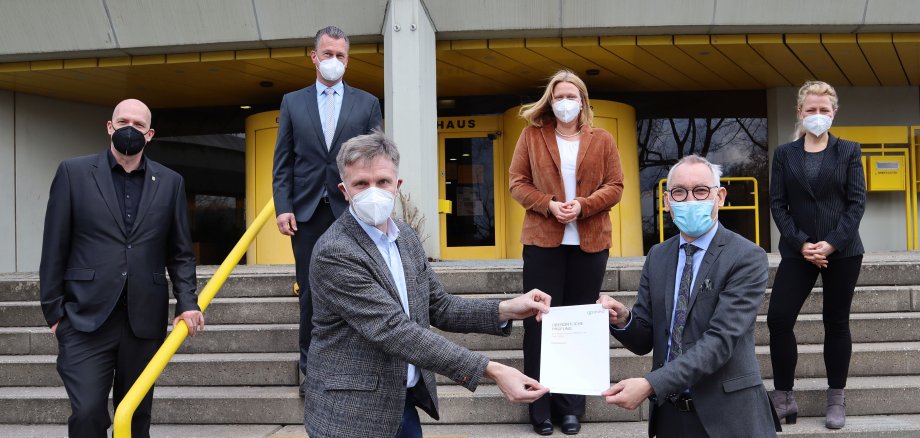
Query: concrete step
[[871, 426], [481, 276], [280, 369], [221, 369], [241, 338], [864, 327], [875, 359], [227, 338], [268, 405], [285, 310]]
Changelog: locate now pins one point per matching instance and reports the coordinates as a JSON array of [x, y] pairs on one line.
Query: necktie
[[329, 125], [683, 299]]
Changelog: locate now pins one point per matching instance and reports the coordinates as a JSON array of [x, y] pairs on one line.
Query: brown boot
[[836, 409], [785, 405]]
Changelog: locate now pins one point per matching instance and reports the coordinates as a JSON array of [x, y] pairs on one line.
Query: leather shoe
[[544, 428], [570, 424]]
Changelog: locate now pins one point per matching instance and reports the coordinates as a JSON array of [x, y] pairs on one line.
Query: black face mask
[[128, 140]]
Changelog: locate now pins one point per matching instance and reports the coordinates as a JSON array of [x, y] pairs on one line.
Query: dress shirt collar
[[375, 234], [113, 162], [703, 241], [339, 87]]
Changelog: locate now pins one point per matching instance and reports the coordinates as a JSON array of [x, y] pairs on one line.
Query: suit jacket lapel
[[102, 174], [369, 247], [828, 164], [151, 184], [549, 138], [583, 144], [797, 165], [670, 271], [411, 272], [709, 260], [347, 103], [313, 114]]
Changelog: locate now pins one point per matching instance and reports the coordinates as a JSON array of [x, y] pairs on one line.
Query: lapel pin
[[153, 178]]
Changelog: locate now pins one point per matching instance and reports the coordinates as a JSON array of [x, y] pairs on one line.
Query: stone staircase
[[239, 378]]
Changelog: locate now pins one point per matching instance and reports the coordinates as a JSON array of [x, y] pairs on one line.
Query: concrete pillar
[[8, 182], [410, 97]]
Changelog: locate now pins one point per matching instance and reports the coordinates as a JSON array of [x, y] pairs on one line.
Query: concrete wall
[[47, 131], [7, 184], [31, 30], [883, 226]]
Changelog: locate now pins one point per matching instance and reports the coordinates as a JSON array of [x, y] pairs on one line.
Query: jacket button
[[124, 274], [129, 246], [660, 364]]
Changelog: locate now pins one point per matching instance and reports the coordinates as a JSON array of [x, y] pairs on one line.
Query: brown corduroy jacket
[[536, 179]]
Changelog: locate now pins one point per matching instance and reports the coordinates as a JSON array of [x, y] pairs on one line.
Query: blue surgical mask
[[693, 218]]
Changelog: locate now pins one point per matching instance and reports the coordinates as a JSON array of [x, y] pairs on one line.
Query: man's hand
[[617, 311], [535, 302], [517, 387], [628, 393], [193, 319], [54, 327], [287, 224], [563, 211]]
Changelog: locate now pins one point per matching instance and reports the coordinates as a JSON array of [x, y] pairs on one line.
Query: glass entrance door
[[469, 176]]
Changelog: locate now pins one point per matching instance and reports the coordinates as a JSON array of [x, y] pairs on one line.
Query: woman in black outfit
[[817, 198]]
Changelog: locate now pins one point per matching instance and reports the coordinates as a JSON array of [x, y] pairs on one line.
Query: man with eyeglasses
[[697, 303]]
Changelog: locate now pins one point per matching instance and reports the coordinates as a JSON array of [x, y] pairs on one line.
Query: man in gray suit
[[313, 124], [697, 303], [375, 297]]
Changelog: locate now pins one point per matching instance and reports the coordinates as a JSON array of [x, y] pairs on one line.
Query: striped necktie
[[683, 299], [329, 125]]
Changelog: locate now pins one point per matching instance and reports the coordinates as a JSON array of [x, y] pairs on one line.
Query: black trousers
[[89, 363], [303, 242], [673, 423], [794, 281], [572, 277]]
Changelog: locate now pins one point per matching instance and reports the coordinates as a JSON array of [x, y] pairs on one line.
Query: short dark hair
[[332, 32], [365, 148]]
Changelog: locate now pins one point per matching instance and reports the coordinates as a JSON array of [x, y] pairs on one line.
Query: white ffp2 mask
[[332, 69], [817, 124], [566, 110], [374, 205]]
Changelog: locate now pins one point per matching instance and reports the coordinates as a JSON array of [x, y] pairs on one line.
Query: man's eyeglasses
[[680, 194]]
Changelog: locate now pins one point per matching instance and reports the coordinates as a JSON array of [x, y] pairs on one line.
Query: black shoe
[[544, 428], [570, 425]]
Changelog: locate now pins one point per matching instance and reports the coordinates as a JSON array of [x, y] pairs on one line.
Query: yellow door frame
[[473, 127]]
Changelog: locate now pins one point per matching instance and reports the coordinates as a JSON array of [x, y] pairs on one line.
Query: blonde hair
[[816, 88], [541, 111]]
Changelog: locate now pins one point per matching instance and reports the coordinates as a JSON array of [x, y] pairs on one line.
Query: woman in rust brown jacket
[[566, 174]]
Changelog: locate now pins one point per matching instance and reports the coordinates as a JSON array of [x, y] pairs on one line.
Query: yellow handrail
[[125, 411]]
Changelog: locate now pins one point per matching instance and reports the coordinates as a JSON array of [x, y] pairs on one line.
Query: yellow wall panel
[[736, 48], [638, 79], [772, 49], [663, 48], [908, 48], [808, 48], [698, 47], [627, 48], [880, 52], [850, 59]]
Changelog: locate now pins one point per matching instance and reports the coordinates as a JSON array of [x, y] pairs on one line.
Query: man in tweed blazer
[[373, 356]]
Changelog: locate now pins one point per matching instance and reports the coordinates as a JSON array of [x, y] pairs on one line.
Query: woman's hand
[[815, 253], [565, 212]]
